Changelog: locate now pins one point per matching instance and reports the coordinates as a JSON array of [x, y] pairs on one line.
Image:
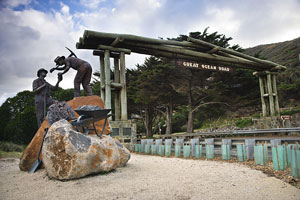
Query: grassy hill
[[288, 54], [285, 53]]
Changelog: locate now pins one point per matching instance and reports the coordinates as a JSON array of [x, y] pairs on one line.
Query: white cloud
[[223, 19], [15, 3], [91, 4], [30, 39], [64, 9], [263, 22]]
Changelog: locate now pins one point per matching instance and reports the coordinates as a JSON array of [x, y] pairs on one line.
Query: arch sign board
[[202, 66]]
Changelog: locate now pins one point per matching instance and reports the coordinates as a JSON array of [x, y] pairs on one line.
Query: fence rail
[[280, 150], [233, 133]]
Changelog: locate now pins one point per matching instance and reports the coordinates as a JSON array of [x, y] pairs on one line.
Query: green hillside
[[288, 54], [285, 53]]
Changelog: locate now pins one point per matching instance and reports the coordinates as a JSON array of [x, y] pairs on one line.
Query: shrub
[[11, 147], [242, 123], [290, 112]]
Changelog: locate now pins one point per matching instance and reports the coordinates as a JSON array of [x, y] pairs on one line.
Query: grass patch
[[11, 150], [290, 112], [4, 154], [242, 123], [11, 147]]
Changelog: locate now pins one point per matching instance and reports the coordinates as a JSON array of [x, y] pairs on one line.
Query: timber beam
[[104, 47], [116, 41], [236, 53], [101, 53]]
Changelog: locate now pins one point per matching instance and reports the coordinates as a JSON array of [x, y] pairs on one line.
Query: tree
[[149, 87], [195, 84], [18, 121], [141, 92], [62, 94], [17, 115]]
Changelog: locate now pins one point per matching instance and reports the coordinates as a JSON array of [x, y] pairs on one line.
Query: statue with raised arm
[[42, 97], [83, 76]]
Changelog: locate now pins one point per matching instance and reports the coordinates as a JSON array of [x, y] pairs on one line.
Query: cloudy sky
[[34, 32]]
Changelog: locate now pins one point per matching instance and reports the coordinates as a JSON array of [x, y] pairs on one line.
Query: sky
[[34, 32]]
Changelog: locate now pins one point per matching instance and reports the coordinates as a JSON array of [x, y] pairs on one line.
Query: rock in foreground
[[68, 154], [31, 152]]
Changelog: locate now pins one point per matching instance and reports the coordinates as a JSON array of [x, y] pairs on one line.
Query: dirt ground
[[151, 177]]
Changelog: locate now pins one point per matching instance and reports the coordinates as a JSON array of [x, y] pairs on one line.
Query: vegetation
[[17, 116], [9, 149], [180, 99], [242, 123], [287, 54], [290, 112], [172, 99]]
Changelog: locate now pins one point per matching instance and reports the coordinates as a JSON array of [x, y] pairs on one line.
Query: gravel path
[[149, 177]]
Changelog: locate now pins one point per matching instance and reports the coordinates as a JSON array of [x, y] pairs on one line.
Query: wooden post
[[117, 92], [277, 108], [107, 80], [262, 92], [102, 77], [266, 95], [271, 99], [123, 90]]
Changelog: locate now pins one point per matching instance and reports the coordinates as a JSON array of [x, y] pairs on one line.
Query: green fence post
[[225, 152], [161, 150], [140, 148], [198, 151], [136, 147], [177, 150], [295, 163], [279, 157], [167, 150], [241, 152], [275, 158], [209, 148], [186, 151], [153, 149], [147, 149], [258, 154], [261, 154]]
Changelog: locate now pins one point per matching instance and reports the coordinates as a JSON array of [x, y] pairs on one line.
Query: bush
[[256, 115], [11, 147], [242, 123], [290, 112]]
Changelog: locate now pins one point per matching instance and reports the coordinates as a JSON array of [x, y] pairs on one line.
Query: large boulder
[[31, 152], [68, 154]]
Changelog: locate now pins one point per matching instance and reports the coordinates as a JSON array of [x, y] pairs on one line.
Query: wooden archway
[[106, 45]]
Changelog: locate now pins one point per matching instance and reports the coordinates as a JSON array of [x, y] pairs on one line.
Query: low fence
[[236, 133], [283, 152]]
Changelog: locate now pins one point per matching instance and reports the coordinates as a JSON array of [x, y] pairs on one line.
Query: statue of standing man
[[42, 97], [83, 76]]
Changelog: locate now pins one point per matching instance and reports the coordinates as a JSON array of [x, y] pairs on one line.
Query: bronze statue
[[83, 76], [42, 97]]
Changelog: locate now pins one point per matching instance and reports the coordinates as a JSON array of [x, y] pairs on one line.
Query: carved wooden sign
[[202, 66]]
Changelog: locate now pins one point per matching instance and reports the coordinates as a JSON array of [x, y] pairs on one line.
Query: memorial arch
[[191, 53]]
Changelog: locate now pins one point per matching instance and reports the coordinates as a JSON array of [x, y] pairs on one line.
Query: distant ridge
[[284, 53]]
